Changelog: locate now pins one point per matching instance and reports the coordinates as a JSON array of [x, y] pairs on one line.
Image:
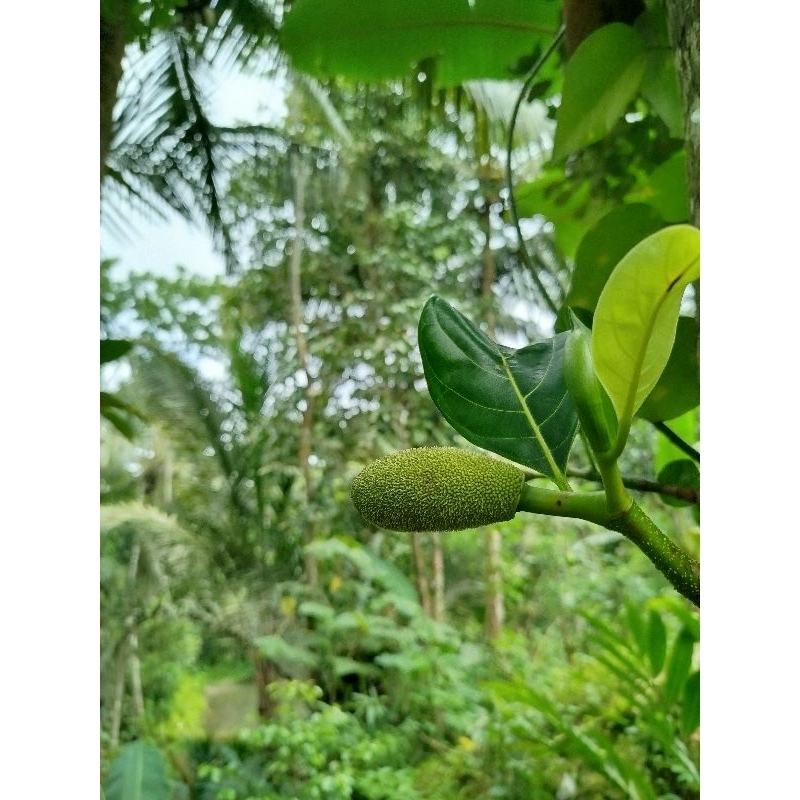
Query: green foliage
[[637, 313], [139, 772], [677, 390], [310, 750], [600, 80], [634, 737], [602, 248], [457, 41], [513, 402]]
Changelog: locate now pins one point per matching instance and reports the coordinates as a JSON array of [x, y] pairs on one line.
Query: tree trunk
[[421, 574], [114, 27], [119, 695], [264, 673], [300, 173], [135, 667], [438, 579], [495, 601], [684, 26]]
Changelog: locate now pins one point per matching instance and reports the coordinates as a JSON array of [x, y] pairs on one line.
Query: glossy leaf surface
[[512, 402], [637, 314], [601, 79], [375, 41]]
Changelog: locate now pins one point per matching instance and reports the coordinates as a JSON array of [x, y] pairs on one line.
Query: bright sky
[[159, 246]]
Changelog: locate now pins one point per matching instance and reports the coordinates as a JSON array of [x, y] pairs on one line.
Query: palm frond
[[241, 30], [166, 152]]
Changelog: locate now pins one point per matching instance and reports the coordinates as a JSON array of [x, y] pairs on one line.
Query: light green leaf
[[139, 772], [600, 80], [637, 314], [375, 41]]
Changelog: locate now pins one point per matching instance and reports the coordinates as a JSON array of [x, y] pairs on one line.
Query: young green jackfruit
[[436, 489]]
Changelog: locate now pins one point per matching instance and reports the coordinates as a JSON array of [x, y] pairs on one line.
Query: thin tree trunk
[[132, 644], [495, 600], [264, 673], [135, 670], [421, 574], [119, 695], [683, 19], [438, 579], [114, 27], [684, 27], [300, 173]]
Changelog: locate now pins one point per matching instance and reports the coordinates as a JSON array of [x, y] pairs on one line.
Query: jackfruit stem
[[590, 506], [680, 568]]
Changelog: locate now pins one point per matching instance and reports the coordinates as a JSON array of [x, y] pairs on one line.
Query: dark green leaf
[[112, 349], [656, 642], [665, 189], [683, 472], [690, 711], [687, 427], [512, 402], [636, 626], [375, 41], [600, 80], [680, 663], [678, 389], [603, 247], [139, 772]]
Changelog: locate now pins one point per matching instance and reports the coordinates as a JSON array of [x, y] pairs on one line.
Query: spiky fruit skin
[[436, 489]]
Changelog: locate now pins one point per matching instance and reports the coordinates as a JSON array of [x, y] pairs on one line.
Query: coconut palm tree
[[159, 148]]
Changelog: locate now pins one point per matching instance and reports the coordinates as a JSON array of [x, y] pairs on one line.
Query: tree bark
[[683, 18], [114, 31], [264, 673]]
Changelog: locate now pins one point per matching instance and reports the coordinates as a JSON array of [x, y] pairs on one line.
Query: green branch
[[680, 569]]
